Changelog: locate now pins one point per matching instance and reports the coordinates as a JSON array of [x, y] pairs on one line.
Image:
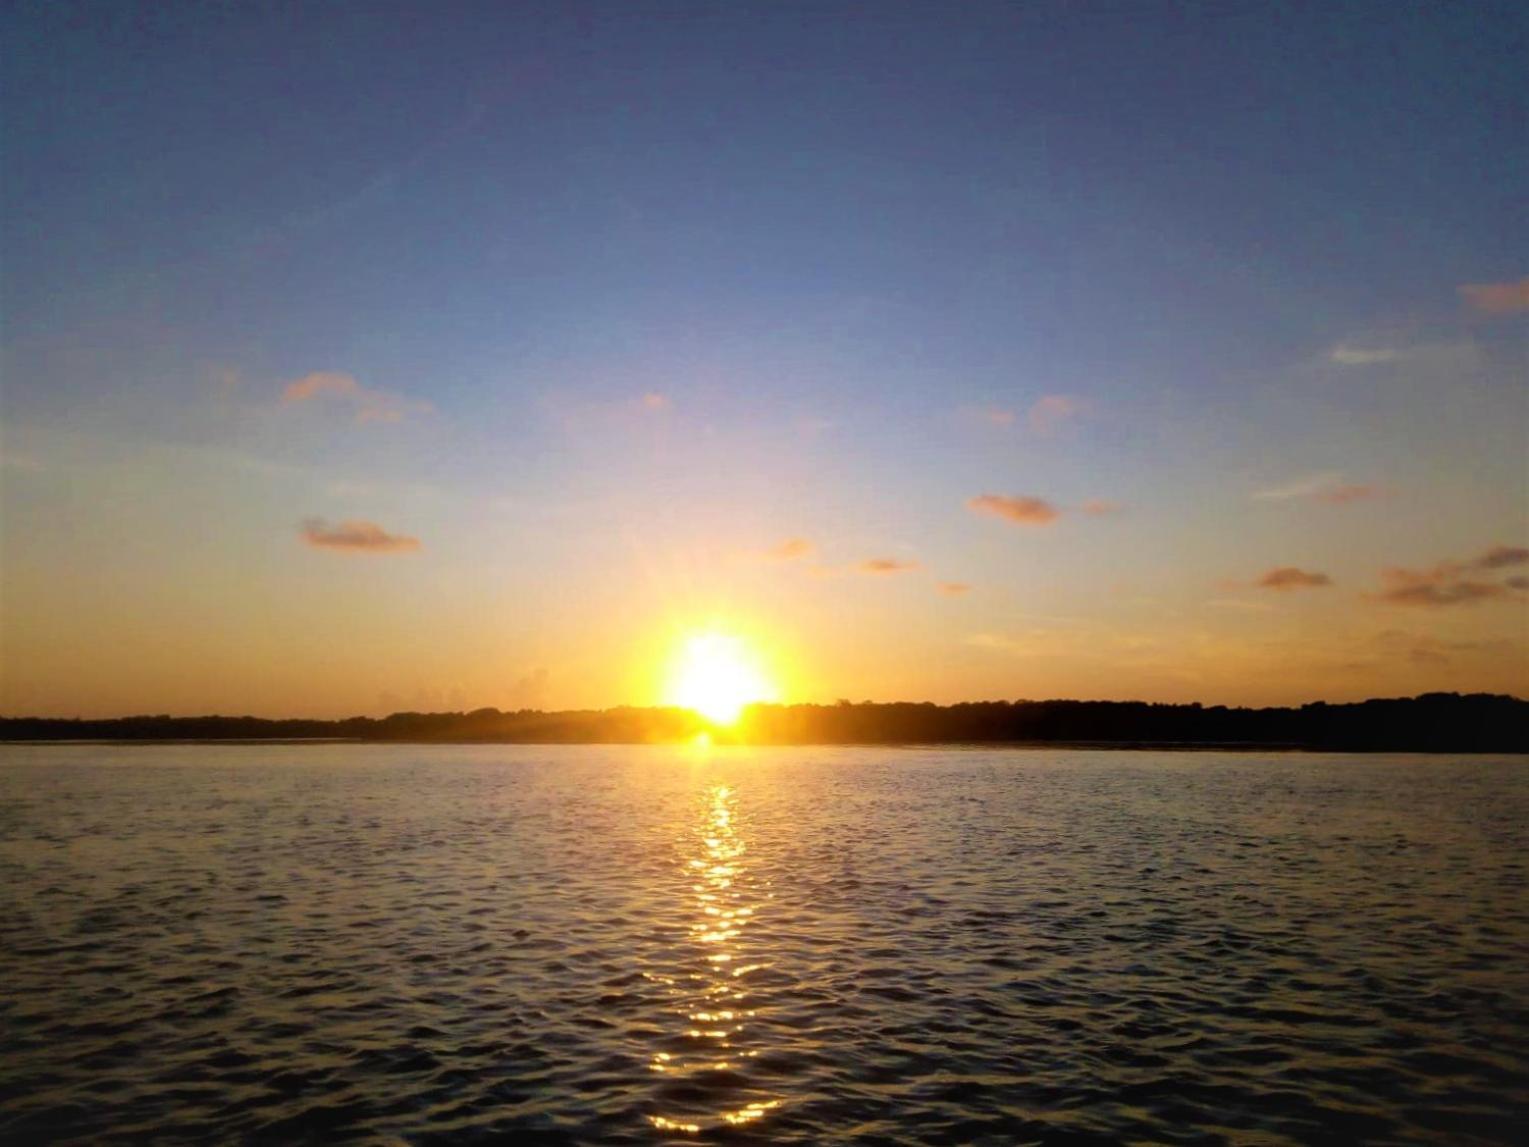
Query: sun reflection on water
[[713, 1013]]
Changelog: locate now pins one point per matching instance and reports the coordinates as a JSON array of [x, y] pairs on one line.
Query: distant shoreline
[[1430, 723], [1167, 746], [1070, 746]]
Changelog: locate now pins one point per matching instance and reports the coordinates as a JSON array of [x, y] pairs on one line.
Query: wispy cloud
[[1051, 412], [655, 401], [952, 588], [1018, 508], [1502, 557], [1497, 298], [1452, 583], [11, 460], [1350, 492], [355, 536], [886, 566], [1304, 487], [369, 405], [1101, 507], [1428, 588], [1289, 577], [1348, 354], [1327, 487], [789, 550], [1425, 649]]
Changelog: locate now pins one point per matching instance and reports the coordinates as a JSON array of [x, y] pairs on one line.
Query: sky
[[369, 357]]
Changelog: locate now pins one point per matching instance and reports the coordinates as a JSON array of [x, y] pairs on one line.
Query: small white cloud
[[1306, 487]]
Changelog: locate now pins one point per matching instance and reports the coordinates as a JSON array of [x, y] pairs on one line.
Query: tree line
[[1432, 722]]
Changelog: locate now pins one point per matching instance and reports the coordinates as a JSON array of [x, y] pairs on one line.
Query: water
[[422, 944]]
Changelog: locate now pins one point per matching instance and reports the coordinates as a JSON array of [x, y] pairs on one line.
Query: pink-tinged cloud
[[319, 383], [369, 405], [1288, 577], [356, 537], [1497, 298], [1018, 508], [886, 566], [1100, 507], [952, 588], [1050, 412], [790, 550], [655, 401], [999, 416]]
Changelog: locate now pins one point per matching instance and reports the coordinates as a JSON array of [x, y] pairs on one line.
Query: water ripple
[[613, 945]]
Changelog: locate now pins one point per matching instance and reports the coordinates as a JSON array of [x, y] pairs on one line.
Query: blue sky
[[627, 293]]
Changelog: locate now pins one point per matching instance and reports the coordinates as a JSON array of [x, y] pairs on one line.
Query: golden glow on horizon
[[717, 675]]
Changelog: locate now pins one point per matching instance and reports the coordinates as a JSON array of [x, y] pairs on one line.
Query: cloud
[[1346, 354], [1501, 557], [369, 405], [1288, 577], [952, 588], [998, 416], [356, 537], [1099, 507], [655, 401], [1305, 487], [1352, 492], [1425, 649], [886, 566], [1020, 509], [790, 550], [10, 460], [1497, 298], [321, 382], [1410, 587], [1449, 583], [1327, 487], [1051, 412]]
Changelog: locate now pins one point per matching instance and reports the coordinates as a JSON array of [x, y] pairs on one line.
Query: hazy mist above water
[[613, 944]]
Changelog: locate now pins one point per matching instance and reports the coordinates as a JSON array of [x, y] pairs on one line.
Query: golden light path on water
[[712, 1008]]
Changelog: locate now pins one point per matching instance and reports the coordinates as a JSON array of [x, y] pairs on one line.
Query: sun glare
[[717, 675]]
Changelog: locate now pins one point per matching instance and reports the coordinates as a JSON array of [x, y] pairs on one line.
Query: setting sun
[[717, 675]]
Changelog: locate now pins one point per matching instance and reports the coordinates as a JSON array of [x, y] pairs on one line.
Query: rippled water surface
[[305, 943]]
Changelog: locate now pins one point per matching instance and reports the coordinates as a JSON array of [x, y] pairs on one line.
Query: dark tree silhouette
[[1433, 722]]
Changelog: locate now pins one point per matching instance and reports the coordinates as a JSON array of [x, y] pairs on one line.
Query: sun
[[717, 675]]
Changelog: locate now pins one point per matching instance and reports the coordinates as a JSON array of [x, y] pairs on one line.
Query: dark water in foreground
[[423, 944]]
